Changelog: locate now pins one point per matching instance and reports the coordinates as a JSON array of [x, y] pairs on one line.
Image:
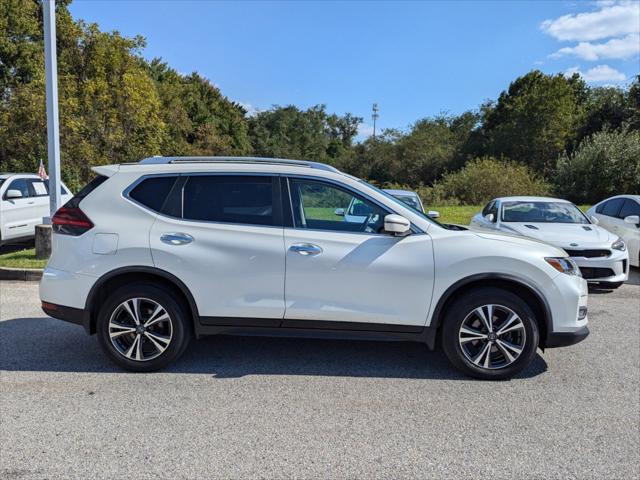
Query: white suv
[[150, 254], [24, 201]]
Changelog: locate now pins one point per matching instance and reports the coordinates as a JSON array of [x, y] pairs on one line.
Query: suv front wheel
[[143, 327], [490, 334]]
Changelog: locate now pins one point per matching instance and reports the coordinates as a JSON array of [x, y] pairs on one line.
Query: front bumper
[[614, 268], [564, 339]]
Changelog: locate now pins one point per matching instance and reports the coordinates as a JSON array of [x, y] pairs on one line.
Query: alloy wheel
[[492, 336], [140, 329]]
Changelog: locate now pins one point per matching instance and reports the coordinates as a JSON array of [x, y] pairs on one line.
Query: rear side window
[[152, 192], [629, 208], [612, 207], [229, 199]]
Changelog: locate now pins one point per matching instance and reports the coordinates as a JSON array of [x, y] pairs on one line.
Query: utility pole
[[53, 131], [375, 115], [44, 232]]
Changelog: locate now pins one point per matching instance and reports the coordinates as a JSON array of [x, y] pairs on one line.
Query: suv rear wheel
[[143, 327], [490, 334]]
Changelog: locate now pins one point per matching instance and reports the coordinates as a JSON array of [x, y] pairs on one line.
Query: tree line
[[545, 134]]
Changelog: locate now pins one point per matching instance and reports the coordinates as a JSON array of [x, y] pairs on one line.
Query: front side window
[[612, 207], [19, 184], [229, 199], [542, 212], [322, 206], [629, 208], [487, 209]]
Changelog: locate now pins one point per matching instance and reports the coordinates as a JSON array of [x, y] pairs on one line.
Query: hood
[[563, 235], [529, 243]]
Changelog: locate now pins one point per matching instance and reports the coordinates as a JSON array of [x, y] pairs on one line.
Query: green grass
[[22, 259]]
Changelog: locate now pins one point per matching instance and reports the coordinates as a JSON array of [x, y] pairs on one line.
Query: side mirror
[[397, 225], [433, 214], [632, 219], [339, 212], [489, 217], [13, 194], [594, 220]]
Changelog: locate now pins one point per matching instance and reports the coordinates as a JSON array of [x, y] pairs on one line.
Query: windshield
[[411, 201], [400, 202], [542, 212]]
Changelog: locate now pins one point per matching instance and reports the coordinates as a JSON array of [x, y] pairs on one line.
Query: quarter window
[[229, 199], [153, 192], [322, 206]]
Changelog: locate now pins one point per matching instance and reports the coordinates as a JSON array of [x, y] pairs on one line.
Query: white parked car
[[356, 211], [621, 216], [602, 256], [202, 246], [24, 201]]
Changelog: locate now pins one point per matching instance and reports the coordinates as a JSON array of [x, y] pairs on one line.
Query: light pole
[[53, 131], [43, 232]]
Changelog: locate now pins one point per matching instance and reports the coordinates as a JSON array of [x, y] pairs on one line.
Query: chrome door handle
[[305, 249], [176, 238]]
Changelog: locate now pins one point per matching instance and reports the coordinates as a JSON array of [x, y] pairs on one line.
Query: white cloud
[[251, 110], [598, 74], [614, 19], [625, 47], [365, 130]]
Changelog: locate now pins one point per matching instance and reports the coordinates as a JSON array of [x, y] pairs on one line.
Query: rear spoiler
[[106, 170]]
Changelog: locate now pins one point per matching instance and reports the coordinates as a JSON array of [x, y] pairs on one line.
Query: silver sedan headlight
[[619, 245]]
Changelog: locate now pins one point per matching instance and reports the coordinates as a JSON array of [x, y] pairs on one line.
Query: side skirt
[[315, 329]]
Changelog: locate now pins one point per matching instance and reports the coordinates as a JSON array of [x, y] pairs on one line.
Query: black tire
[[463, 310], [178, 327], [610, 285]]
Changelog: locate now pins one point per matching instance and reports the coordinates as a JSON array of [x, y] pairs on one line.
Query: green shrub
[[485, 178], [606, 163]]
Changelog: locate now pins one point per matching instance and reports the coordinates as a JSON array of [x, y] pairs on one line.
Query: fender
[[86, 321], [530, 286]]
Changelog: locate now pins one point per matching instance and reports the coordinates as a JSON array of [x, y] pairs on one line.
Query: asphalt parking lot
[[272, 408]]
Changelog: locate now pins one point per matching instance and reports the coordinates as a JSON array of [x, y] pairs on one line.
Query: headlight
[[619, 245], [564, 265]]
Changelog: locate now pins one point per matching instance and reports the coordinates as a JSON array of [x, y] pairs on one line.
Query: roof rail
[[158, 160]]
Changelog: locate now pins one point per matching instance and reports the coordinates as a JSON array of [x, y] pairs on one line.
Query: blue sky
[[414, 59]]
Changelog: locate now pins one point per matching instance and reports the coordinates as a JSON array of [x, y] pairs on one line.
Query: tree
[[605, 164], [485, 178], [289, 132], [536, 119]]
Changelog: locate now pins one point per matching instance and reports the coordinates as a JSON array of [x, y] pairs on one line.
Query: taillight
[[71, 221]]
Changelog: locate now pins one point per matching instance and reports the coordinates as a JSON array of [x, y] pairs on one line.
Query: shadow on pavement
[[44, 344]]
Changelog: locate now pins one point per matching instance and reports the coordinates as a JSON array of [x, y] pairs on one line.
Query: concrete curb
[[21, 274]]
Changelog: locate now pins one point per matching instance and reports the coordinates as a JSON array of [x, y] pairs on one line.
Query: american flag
[[42, 173]]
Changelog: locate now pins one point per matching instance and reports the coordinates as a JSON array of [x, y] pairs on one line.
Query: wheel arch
[[528, 291], [121, 276]]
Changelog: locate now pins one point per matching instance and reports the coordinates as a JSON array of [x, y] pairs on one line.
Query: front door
[[351, 271], [18, 214], [226, 246]]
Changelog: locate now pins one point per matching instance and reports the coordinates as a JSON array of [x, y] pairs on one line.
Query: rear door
[[351, 275], [222, 235]]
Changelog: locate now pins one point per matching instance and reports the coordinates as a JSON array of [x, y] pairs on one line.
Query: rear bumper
[[62, 312], [564, 339]]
